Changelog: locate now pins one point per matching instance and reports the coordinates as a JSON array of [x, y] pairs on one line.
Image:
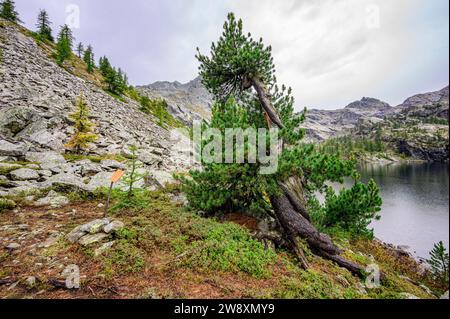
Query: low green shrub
[[228, 247], [6, 204]]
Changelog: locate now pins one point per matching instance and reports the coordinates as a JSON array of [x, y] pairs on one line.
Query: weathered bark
[[297, 226], [264, 97], [292, 188], [290, 206]]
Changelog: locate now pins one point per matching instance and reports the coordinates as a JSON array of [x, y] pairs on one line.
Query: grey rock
[[149, 158], [14, 120], [112, 164], [87, 168], [113, 227], [104, 248], [48, 160], [45, 173], [100, 180], [75, 234], [33, 166], [24, 174], [51, 241], [445, 296], [95, 226], [31, 282], [10, 149], [160, 178], [48, 139], [53, 200], [13, 246], [186, 102], [67, 180], [92, 239]]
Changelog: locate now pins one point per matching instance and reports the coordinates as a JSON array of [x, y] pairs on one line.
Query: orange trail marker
[[117, 176], [114, 179]]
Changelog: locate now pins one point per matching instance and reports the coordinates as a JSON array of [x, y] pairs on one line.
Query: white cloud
[[330, 51]]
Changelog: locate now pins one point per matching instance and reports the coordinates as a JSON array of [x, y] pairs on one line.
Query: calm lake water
[[415, 210]]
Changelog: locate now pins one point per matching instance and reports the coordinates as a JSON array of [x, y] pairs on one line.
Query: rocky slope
[[418, 128], [187, 102], [322, 124], [36, 97]]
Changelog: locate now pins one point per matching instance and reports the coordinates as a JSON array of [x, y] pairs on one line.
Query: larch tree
[[240, 73], [83, 128], [43, 26], [8, 11]]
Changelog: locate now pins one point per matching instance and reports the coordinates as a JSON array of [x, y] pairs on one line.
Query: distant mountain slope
[[323, 124], [187, 102]]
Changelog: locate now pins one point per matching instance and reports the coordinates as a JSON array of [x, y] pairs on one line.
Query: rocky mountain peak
[[368, 103], [437, 97], [186, 102]]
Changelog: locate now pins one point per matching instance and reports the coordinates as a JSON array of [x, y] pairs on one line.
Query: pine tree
[[89, 59], [80, 50], [8, 11], [439, 263], [43, 25], [83, 128], [64, 44], [237, 67]]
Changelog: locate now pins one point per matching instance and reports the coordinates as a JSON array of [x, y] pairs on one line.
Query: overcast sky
[[331, 52]]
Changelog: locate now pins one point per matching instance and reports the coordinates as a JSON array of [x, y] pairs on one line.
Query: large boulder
[[10, 149], [160, 178], [24, 174], [45, 138], [68, 182], [100, 180], [14, 119], [49, 160], [53, 199]]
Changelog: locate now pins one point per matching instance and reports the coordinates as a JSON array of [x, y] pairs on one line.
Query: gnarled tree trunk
[[290, 206]]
